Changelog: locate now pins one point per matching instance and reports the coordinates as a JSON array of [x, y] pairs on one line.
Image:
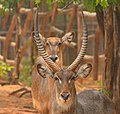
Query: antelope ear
[[84, 71], [44, 71], [68, 37]]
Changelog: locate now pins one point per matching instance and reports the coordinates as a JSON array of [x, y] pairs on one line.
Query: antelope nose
[[54, 58], [65, 95]]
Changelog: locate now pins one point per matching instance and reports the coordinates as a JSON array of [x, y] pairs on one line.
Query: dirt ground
[[12, 104]]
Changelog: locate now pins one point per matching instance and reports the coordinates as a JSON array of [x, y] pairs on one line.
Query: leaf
[[97, 2], [104, 3], [106, 92], [37, 2], [90, 4], [4, 68]]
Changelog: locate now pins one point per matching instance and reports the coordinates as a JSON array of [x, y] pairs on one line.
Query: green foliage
[[103, 3], [8, 5], [59, 2], [91, 5], [106, 92], [5, 69], [49, 2], [81, 85], [100, 83], [25, 74], [37, 2]]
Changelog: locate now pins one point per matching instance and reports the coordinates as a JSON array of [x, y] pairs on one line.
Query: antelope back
[[94, 102]]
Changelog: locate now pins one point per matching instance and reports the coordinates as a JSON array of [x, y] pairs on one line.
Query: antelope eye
[[56, 78], [73, 78], [59, 43], [47, 43]]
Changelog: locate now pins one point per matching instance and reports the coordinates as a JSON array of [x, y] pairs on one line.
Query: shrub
[[25, 74], [5, 69]]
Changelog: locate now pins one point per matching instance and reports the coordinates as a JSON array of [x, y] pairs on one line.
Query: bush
[[25, 74], [5, 69]]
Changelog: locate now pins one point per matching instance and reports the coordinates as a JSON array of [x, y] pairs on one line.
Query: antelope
[[63, 97], [53, 90], [54, 46]]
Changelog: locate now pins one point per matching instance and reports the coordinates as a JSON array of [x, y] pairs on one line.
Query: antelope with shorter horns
[[46, 97]]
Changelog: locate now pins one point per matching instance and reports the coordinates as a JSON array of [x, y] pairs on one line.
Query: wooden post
[[44, 24], [54, 12], [72, 17], [27, 23], [96, 54], [9, 36], [25, 47], [5, 20]]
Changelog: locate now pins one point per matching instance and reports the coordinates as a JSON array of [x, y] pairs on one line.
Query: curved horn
[[45, 56], [82, 52]]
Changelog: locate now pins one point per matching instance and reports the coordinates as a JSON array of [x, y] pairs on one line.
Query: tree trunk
[[109, 52], [111, 78], [116, 73], [18, 39]]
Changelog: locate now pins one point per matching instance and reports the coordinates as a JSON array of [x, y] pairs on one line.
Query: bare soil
[[12, 104]]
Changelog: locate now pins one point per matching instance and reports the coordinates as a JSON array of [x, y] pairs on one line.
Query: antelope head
[[64, 87], [64, 84], [55, 45]]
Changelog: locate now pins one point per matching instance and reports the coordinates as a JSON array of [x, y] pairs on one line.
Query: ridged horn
[[83, 50], [45, 56]]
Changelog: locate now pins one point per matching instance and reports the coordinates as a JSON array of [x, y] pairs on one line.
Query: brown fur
[[41, 96]]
